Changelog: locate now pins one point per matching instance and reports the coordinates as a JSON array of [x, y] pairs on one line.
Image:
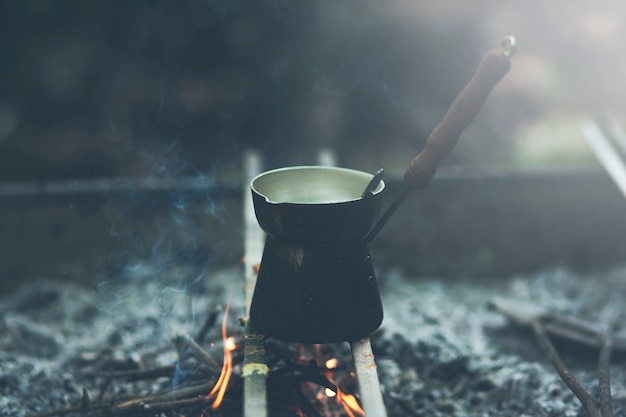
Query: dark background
[[116, 88]]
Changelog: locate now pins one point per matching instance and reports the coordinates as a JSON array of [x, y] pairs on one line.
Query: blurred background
[[101, 88], [119, 89]]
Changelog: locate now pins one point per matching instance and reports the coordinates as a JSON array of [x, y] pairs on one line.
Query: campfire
[[310, 287], [315, 285]]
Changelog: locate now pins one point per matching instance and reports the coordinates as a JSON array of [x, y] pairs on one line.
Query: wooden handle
[[460, 114]]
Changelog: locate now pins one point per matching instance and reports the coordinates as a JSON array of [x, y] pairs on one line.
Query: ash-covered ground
[[440, 351]]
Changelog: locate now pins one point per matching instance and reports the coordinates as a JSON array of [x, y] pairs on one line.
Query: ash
[[440, 350]]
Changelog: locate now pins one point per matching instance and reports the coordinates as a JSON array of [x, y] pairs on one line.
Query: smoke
[[165, 253]]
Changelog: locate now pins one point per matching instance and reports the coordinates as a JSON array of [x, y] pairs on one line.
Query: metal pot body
[[316, 281]]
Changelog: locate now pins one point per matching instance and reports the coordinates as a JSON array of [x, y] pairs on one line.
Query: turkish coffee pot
[[316, 282]]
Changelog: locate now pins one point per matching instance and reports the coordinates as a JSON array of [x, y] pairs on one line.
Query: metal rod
[[367, 374], [614, 130], [385, 217], [445, 136], [601, 146], [255, 370]]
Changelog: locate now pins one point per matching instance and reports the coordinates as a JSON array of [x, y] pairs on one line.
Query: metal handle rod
[[461, 113], [386, 216], [445, 136]]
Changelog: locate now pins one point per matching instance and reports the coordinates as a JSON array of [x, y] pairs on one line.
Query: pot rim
[[365, 176]]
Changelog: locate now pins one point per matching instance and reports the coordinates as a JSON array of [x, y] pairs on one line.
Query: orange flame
[[348, 401], [350, 404], [221, 385]]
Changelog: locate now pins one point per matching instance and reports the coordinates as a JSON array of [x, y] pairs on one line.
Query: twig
[[63, 411], [574, 331], [180, 394], [159, 407], [606, 402], [183, 400], [87, 405], [172, 400], [197, 351], [366, 373], [135, 375], [588, 403]]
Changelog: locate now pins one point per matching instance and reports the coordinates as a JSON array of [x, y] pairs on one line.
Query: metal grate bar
[[609, 157], [255, 370]]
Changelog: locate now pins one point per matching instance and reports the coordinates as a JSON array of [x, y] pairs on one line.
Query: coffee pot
[[316, 282]]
